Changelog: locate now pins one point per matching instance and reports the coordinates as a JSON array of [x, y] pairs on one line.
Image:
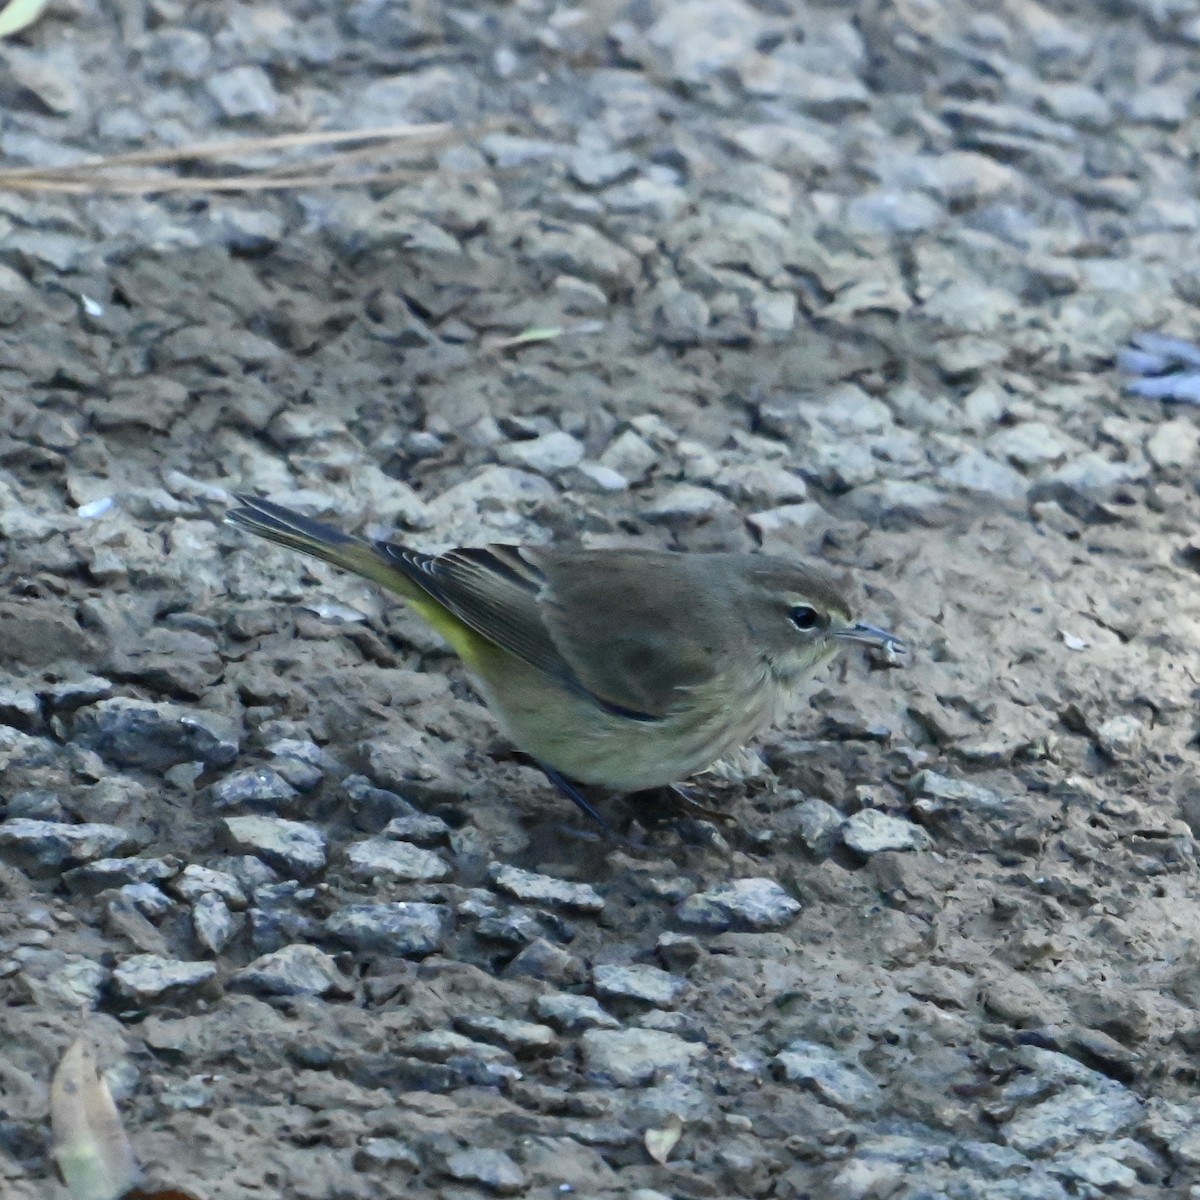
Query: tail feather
[[288, 528]]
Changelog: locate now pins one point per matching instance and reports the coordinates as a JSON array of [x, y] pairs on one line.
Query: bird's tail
[[288, 528]]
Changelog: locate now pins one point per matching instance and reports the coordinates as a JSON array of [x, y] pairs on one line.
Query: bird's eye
[[805, 617]]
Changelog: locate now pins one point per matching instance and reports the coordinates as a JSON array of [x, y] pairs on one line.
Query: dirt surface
[[842, 281]]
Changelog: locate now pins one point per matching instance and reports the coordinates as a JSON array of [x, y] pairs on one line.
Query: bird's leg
[[573, 794], [693, 806]]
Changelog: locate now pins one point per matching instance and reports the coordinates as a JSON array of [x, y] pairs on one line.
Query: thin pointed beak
[[872, 635]]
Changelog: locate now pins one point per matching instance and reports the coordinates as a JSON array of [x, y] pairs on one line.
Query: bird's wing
[[495, 590], [637, 632]]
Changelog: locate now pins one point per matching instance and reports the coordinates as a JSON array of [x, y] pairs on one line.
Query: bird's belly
[[586, 743]]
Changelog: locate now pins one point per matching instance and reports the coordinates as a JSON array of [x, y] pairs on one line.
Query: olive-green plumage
[[626, 668]]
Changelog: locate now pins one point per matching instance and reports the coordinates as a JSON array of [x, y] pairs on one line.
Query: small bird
[[630, 669]]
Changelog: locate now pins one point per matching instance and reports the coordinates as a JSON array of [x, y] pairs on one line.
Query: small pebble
[[296, 970], [146, 978], [402, 927], [570, 1013], [872, 832], [492, 1169], [397, 860], [747, 903], [639, 982], [212, 921], [633, 1057], [532, 888], [50, 845], [296, 848]]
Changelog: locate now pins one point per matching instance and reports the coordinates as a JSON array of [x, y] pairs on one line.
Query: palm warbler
[[631, 669]]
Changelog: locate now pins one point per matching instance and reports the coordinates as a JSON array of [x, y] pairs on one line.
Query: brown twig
[[92, 177]]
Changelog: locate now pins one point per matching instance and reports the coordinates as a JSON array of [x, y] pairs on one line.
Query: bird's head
[[804, 616]]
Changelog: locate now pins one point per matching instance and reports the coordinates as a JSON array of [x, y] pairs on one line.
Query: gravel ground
[[834, 280]]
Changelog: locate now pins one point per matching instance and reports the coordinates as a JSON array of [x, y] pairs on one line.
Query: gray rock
[[476, 1062], [754, 904], [70, 694], [652, 985], [138, 733], [36, 805], [212, 922], [594, 168], [52, 845], [398, 860], [1173, 443], [1094, 1169], [983, 120], [1033, 444], [441, 1045], [1092, 474], [780, 530], [943, 787], [872, 832], [679, 951], [295, 970], [20, 707], [976, 471], [421, 828], [511, 150], [763, 484], [246, 229], [830, 97], [686, 504], [401, 927], [299, 761], [896, 498], [147, 899], [632, 1057], [385, 1152], [146, 978], [104, 873], [78, 983], [492, 1169], [517, 1037], [583, 251], [630, 455], [543, 960], [887, 212], [817, 823], [195, 881], [1076, 104], [373, 806], [571, 1013], [532, 888], [549, 454], [1077, 1113], [244, 91], [293, 847], [1120, 736], [839, 464], [1164, 104], [179, 662], [53, 75], [681, 317], [182, 54], [260, 788], [821, 1069], [698, 38]]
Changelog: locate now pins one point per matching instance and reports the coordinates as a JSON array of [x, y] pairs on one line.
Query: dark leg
[[573, 794], [694, 808]]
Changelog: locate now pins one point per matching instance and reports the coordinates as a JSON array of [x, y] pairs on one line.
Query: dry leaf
[[660, 1142], [93, 1153]]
